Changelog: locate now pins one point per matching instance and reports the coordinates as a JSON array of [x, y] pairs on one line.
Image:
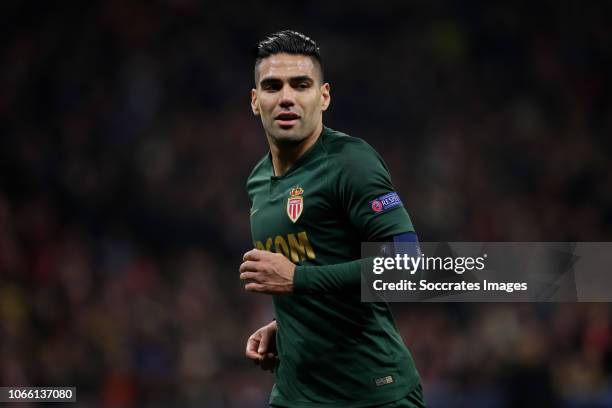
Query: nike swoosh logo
[[253, 212]]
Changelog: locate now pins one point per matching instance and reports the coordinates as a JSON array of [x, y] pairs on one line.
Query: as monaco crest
[[295, 203]]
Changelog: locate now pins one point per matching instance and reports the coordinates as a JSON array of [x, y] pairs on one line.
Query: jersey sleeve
[[366, 194], [310, 279], [344, 276]]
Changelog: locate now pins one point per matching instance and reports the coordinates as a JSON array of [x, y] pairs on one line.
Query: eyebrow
[[271, 80]]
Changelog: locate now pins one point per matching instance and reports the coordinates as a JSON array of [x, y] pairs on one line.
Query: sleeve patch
[[385, 203]]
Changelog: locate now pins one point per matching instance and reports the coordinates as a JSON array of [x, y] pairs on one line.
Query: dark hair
[[290, 42]]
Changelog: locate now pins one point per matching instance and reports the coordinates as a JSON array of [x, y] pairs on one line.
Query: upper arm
[[367, 195]]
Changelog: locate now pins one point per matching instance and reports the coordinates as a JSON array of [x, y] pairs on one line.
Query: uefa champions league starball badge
[[295, 203]]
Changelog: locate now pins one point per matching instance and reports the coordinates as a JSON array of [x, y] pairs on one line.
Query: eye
[[271, 86]]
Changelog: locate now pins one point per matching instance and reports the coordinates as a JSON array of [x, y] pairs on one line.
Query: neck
[[283, 157]]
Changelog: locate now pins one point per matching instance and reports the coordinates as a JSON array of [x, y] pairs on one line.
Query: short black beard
[[288, 143]]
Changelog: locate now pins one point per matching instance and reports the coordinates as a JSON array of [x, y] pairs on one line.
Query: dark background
[[126, 138]]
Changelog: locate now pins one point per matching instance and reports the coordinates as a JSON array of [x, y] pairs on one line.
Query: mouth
[[286, 119]]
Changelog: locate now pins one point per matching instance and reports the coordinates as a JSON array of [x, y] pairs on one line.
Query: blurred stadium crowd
[[127, 137]]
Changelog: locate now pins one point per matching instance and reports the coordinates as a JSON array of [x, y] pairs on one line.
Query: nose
[[287, 97]]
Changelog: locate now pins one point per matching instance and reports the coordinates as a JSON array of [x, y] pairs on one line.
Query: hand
[[267, 272], [261, 347]]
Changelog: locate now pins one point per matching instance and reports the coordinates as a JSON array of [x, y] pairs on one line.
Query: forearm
[[308, 279], [327, 278]]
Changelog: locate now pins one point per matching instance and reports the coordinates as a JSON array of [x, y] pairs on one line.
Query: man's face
[[289, 98]]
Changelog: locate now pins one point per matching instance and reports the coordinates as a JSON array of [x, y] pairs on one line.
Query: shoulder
[[337, 143], [346, 151], [259, 172], [261, 166]]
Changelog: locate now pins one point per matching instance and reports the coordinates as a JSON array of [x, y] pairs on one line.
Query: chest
[[282, 205], [294, 214]]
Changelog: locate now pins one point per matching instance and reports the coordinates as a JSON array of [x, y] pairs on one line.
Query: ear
[[325, 96], [254, 106]]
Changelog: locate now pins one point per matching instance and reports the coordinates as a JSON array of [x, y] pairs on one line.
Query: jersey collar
[[308, 154]]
